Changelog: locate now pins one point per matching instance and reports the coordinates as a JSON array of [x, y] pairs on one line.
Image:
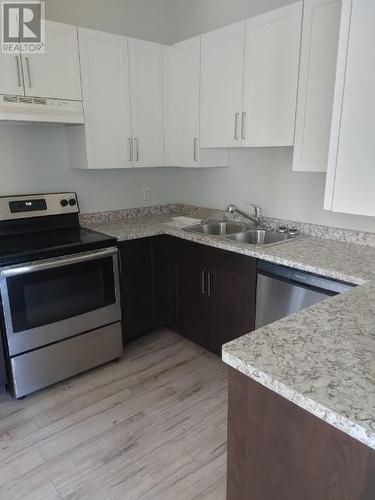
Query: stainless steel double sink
[[241, 233]]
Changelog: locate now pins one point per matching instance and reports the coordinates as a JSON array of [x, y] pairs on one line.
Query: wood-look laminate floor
[[151, 427]]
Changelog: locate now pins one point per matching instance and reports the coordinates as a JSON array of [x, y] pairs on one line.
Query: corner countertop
[[322, 358]]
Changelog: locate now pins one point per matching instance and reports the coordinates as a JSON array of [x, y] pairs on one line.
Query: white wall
[[146, 19], [34, 159]]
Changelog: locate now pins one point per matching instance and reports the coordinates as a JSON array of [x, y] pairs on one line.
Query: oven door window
[[45, 297]]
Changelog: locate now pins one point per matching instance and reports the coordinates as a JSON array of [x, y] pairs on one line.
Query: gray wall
[[146, 19], [263, 176], [34, 159]]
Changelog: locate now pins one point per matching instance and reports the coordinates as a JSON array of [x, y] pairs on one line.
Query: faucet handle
[[257, 209]]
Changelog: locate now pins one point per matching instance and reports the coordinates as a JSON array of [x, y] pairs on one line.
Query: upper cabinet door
[[351, 171], [146, 79], [271, 77], [182, 103], [106, 99], [55, 74], [222, 86], [320, 36], [11, 81]]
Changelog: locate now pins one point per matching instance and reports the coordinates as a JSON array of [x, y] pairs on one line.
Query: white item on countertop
[[184, 221]]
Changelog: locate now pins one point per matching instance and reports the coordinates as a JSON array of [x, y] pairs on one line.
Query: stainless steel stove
[[60, 293]]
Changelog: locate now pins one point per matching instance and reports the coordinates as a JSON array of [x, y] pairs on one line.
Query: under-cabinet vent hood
[[40, 109]]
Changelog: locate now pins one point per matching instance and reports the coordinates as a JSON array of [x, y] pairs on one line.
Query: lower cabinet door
[[3, 376], [162, 255], [192, 308], [232, 306], [137, 288]]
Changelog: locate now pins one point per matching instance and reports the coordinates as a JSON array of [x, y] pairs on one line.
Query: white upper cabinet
[[147, 107], [11, 81], [106, 100], [182, 80], [320, 35], [271, 76], [56, 73], [351, 163], [222, 86]]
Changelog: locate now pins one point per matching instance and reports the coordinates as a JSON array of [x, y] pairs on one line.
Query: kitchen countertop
[[322, 358]]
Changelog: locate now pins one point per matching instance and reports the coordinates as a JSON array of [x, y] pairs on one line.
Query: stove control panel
[[39, 205]]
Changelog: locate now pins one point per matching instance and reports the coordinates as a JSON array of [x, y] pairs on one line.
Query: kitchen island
[[302, 405]]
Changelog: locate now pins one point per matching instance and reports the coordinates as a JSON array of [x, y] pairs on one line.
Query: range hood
[[40, 109]]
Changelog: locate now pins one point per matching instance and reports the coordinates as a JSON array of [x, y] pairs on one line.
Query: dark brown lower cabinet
[[191, 302], [205, 294], [214, 293], [278, 451], [145, 281], [3, 376]]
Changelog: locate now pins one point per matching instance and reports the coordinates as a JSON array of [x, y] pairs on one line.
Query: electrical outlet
[[146, 194]]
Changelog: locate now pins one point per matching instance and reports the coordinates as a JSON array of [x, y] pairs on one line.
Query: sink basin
[[259, 237], [218, 228]]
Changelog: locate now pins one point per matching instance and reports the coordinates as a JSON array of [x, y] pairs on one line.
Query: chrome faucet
[[256, 218]]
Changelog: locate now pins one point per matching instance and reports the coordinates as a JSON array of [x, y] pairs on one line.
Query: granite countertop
[[322, 358]]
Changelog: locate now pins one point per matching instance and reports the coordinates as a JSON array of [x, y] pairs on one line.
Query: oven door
[[50, 300]]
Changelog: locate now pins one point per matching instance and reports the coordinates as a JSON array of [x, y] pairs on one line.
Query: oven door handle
[[32, 267]]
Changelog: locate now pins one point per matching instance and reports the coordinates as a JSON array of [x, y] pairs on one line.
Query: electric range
[[60, 294]]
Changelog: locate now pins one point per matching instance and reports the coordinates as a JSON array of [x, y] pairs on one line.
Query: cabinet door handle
[[236, 119], [130, 143], [203, 279], [136, 141], [243, 125], [27, 59], [18, 62], [209, 284], [195, 146]]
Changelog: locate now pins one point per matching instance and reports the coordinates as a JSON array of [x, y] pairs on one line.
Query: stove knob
[[64, 203], [72, 202]]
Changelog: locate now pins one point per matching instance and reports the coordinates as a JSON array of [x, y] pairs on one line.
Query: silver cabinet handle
[[203, 288], [130, 143], [27, 59], [236, 119], [18, 62], [136, 142], [209, 284], [195, 146], [243, 125]]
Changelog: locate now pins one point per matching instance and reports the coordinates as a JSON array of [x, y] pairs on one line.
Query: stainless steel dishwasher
[[282, 291]]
